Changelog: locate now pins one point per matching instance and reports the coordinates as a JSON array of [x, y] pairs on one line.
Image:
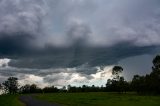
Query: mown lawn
[[100, 99], [10, 100]]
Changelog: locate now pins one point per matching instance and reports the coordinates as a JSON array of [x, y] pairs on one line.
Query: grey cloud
[[97, 23], [77, 56], [21, 16], [51, 34], [106, 23], [57, 77], [140, 65], [18, 44], [78, 33], [13, 71]]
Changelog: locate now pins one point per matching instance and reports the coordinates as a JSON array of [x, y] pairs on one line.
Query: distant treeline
[[148, 84]]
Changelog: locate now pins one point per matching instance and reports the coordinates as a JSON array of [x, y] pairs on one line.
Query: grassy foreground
[[10, 100], [100, 99]]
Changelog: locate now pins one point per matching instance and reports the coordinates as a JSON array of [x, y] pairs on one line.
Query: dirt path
[[29, 100]]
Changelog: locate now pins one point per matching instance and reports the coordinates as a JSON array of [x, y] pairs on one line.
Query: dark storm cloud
[[84, 57], [20, 43], [44, 37]]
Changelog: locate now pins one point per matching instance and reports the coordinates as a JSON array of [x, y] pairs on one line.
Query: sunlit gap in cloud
[[69, 78], [57, 77], [4, 62]]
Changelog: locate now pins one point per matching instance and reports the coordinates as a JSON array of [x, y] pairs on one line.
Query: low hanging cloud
[[58, 77]]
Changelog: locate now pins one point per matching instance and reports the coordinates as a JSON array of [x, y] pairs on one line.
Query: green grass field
[[100, 99], [10, 100], [88, 99]]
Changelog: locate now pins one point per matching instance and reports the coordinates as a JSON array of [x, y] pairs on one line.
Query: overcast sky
[[61, 42]]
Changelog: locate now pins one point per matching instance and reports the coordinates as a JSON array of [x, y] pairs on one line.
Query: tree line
[[147, 84]]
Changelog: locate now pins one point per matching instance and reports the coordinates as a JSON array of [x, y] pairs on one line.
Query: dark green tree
[[116, 71], [51, 89], [138, 83], [11, 85], [0, 86], [118, 83], [25, 88], [155, 74], [123, 85], [35, 89], [156, 63]]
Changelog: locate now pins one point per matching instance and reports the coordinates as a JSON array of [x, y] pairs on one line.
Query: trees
[[25, 89], [148, 84], [51, 89], [123, 85], [116, 71], [156, 62], [138, 83], [155, 74], [117, 84], [35, 89], [0, 87], [11, 85], [30, 89]]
